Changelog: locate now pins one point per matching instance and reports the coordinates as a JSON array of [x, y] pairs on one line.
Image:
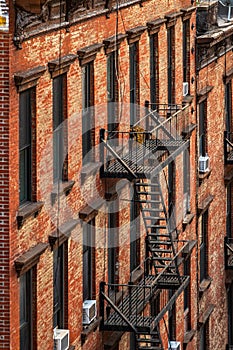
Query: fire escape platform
[[129, 311], [144, 160]]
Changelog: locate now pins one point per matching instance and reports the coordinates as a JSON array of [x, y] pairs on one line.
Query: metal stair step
[[153, 209], [160, 250], [149, 340], [149, 201], [159, 242], [161, 258], [157, 235], [149, 348], [154, 218], [148, 193], [146, 184]]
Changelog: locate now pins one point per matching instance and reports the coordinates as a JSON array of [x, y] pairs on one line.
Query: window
[[186, 181], [27, 311], [204, 336], [172, 318], [203, 246], [203, 128], [186, 51], [60, 281], [171, 64], [88, 125], [89, 260], [133, 345], [26, 113], [134, 235], [59, 130], [134, 81], [112, 90], [228, 106], [230, 314], [172, 194], [229, 212], [155, 305], [154, 69], [187, 301], [113, 245]]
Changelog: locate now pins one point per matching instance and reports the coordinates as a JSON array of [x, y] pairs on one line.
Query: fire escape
[[140, 155]]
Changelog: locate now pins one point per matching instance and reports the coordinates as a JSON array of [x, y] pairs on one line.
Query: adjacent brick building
[[116, 175]]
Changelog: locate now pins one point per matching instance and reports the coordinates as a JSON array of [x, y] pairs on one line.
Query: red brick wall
[[4, 193], [213, 75], [39, 51]]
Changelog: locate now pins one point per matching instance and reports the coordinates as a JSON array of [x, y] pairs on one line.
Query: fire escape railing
[[228, 253], [228, 147], [151, 143], [123, 306], [137, 154]]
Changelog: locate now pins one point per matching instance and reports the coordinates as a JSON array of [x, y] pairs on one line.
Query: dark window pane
[[134, 235], [186, 50], [26, 311], [228, 216], [171, 64], [112, 244], [58, 287], [88, 260], [202, 129], [133, 54], [87, 113], [203, 246], [111, 91], [58, 111], [153, 68], [228, 103], [25, 146]]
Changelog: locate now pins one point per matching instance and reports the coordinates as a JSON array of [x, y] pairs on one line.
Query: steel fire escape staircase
[[126, 308]]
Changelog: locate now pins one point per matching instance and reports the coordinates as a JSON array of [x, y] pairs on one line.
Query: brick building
[[115, 175]]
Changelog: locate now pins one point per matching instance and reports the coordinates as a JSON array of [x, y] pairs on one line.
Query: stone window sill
[[136, 275], [203, 176], [89, 169], [30, 258], [204, 285], [188, 249], [188, 336], [89, 329], [204, 205], [203, 318], [187, 132], [188, 219], [63, 187], [29, 209]]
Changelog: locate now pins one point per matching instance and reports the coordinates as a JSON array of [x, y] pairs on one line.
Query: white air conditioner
[[204, 164], [174, 345], [89, 311], [61, 339], [185, 88]]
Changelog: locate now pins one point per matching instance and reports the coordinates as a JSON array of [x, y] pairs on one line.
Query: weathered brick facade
[[62, 39]]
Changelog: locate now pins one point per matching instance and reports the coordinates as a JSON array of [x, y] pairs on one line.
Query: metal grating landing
[[156, 145], [170, 281], [141, 323], [230, 157]]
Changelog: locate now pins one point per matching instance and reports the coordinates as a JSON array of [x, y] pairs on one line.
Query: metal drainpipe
[[197, 187]]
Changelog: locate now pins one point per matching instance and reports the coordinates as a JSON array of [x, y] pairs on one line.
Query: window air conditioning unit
[[204, 164], [89, 311], [174, 345], [185, 88], [61, 339]]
